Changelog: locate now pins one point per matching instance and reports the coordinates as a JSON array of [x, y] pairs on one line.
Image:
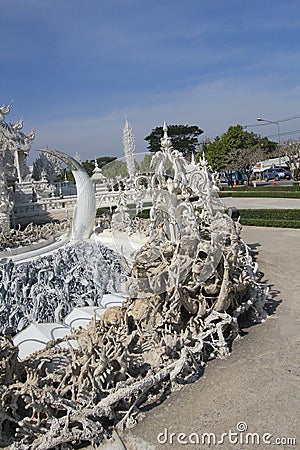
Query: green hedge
[[288, 214], [271, 223], [261, 188], [104, 210], [261, 191], [144, 214], [283, 218]]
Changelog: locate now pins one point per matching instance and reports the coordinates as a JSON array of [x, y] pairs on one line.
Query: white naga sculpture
[[85, 209], [187, 286], [129, 148]]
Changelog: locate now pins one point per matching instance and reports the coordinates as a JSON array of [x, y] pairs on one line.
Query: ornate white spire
[[77, 156], [193, 162], [129, 147], [5, 110], [97, 176], [166, 143]]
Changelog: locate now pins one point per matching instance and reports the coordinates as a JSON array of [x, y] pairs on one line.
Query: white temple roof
[[97, 176]]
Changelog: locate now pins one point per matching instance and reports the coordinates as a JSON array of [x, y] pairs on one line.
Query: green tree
[[114, 169], [291, 149], [89, 166], [145, 164], [103, 160], [244, 160], [215, 153], [222, 152], [185, 138]]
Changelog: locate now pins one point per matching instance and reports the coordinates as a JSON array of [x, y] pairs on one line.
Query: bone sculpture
[[187, 287], [16, 237]]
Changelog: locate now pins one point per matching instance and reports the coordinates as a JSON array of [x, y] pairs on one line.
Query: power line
[[284, 134], [288, 118], [268, 123], [255, 125]]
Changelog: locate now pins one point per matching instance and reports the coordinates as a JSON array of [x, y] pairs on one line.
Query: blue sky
[[76, 68]]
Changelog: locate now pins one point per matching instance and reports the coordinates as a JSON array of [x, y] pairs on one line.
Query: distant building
[[98, 179], [261, 166]]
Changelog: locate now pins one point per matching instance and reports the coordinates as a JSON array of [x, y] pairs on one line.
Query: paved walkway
[[240, 203], [261, 203], [258, 384]]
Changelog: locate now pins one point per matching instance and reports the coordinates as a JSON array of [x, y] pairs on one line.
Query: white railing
[[52, 204], [44, 206]]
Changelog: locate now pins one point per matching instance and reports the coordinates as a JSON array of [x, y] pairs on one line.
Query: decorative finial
[[166, 143], [193, 159], [5, 110]]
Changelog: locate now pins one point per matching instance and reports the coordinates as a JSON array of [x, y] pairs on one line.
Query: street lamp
[[278, 134]]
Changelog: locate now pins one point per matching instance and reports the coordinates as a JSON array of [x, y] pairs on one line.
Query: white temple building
[[98, 179]]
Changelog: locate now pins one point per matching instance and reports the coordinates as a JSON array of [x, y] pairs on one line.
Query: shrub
[[261, 194], [144, 214], [262, 188], [283, 218], [105, 210]]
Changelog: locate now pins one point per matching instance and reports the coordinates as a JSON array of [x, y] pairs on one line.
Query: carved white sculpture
[[14, 149], [32, 234], [187, 286], [129, 148], [98, 177], [14, 145], [48, 167], [6, 205], [47, 288], [85, 209]]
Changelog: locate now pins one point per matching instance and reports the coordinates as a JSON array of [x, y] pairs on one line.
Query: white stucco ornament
[[85, 209]]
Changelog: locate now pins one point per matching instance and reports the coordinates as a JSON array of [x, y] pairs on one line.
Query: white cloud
[[213, 107]]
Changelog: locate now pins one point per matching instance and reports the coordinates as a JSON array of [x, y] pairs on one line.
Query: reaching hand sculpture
[[48, 288]]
